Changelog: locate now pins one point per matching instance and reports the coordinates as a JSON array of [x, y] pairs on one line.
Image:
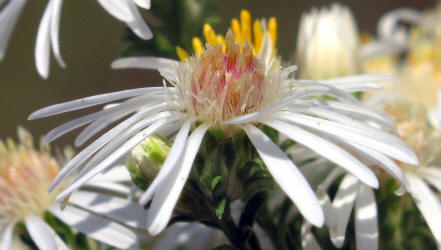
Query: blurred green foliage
[[174, 23]]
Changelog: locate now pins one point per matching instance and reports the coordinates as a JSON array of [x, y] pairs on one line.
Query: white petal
[[8, 17], [137, 24], [170, 163], [100, 142], [107, 163], [385, 163], [42, 47], [146, 62], [116, 174], [192, 235], [432, 175], [287, 176], [328, 209], [168, 193], [327, 150], [266, 52], [115, 208], [308, 240], [381, 141], [428, 204], [96, 227], [6, 236], [117, 8], [113, 145], [388, 24], [312, 90], [112, 188], [40, 232], [343, 204], [90, 101], [143, 3], [129, 106], [351, 109], [366, 222], [54, 31]]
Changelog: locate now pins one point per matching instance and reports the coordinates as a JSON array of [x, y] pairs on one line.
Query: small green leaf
[[220, 208], [215, 181]]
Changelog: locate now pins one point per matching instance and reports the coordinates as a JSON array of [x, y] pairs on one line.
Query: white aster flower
[[327, 43], [419, 179], [48, 31], [426, 142], [25, 176], [233, 90]]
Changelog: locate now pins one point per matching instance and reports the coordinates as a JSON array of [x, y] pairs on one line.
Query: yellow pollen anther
[[242, 30], [197, 46], [182, 54], [245, 25], [272, 29], [210, 35], [235, 27], [220, 40], [258, 36]]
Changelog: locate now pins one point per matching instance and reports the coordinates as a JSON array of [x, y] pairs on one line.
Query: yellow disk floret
[[243, 30]]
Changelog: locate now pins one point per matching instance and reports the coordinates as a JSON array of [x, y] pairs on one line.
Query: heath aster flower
[[48, 31], [234, 90], [25, 176]]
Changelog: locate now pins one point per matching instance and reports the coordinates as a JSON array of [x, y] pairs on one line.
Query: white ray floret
[[48, 31]]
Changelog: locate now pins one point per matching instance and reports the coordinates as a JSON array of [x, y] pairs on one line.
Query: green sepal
[[220, 208], [211, 182]]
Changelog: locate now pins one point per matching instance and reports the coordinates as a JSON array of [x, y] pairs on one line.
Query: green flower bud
[[146, 159]]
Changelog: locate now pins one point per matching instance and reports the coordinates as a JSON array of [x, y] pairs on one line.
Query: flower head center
[[227, 83], [25, 176]]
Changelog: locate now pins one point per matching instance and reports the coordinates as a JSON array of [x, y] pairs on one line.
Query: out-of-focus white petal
[[434, 114], [343, 204], [6, 236], [388, 24], [287, 176], [168, 193], [428, 204], [40, 232], [8, 17], [432, 175], [366, 222], [54, 31], [43, 46], [143, 3], [137, 24], [117, 8], [96, 227], [308, 240]]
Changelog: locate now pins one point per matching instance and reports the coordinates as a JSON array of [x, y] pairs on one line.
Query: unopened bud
[[146, 159]]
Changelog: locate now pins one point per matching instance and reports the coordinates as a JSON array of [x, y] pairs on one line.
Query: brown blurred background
[[90, 39]]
